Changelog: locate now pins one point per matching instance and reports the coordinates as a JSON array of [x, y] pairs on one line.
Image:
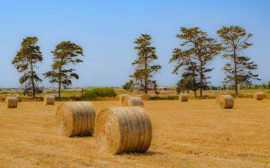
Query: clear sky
[[106, 31]]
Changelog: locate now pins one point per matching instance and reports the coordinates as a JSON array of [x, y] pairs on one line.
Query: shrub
[[104, 92], [89, 94]]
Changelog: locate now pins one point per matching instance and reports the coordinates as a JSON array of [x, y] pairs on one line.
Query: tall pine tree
[[238, 70]]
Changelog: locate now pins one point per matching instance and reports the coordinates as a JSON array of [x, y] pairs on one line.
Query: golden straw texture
[[11, 102], [49, 100], [55, 95], [19, 98], [146, 97], [122, 97], [123, 130], [75, 119], [132, 101], [225, 101], [183, 97], [258, 96]]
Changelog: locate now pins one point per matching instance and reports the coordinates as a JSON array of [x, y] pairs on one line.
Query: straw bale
[[55, 95], [75, 119], [225, 101], [132, 101], [146, 97], [183, 97], [11, 102], [122, 97], [49, 100], [123, 130], [258, 96], [19, 98]]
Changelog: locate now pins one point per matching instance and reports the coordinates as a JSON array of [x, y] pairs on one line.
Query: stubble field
[[190, 134]]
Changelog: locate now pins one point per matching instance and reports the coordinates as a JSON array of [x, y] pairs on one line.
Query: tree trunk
[[32, 81], [59, 86], [235, 71], [145, 77], [201, 76], [195, 94]]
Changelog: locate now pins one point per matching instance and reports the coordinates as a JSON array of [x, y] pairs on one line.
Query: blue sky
[[106, 31]]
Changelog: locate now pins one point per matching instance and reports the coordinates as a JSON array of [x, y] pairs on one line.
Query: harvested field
[[195, 135]]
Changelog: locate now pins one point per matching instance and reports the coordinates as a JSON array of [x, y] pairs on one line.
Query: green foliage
[[64, 54], [25, 61], [202, 50], [0, 89], [90, 94], [238, 70], [99, 92], [144, 70], [128, 86], [105, 92]]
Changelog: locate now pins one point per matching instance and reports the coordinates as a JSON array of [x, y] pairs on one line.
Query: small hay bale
[[75, 119], [55, 95], [258, 96], [19, 98], [49, 100], [183, 97], [146, 97], [225, 101], [132, 101], [123, 130], [122, 97], [11, 102]]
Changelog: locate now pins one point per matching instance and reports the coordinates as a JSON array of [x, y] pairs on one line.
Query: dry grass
[[194, 135]]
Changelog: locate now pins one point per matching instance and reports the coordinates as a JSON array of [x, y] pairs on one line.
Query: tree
[[238, 70], [202, 50], [128, 86], [25, 62], [64, 54], [144, 70]]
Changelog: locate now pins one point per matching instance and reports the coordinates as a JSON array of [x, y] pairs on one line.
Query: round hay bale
[[54, 95], [258, 96], [146, 97], [132, 101], [122, 97], [123, 130], [49, 100], [225, 101], [183, 97], [19, 98], [11, 102], [75, 119]]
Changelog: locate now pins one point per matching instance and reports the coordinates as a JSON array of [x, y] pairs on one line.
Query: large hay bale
[[11, 102], [123, 130], [146, 97], [183, 97], [225, 101], [122, 97], [258, 96], [49, 100], [132, 101], [75, 119]]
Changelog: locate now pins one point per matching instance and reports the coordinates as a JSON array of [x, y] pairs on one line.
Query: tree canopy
[[65, 53], [25, 62], [238, 70]]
